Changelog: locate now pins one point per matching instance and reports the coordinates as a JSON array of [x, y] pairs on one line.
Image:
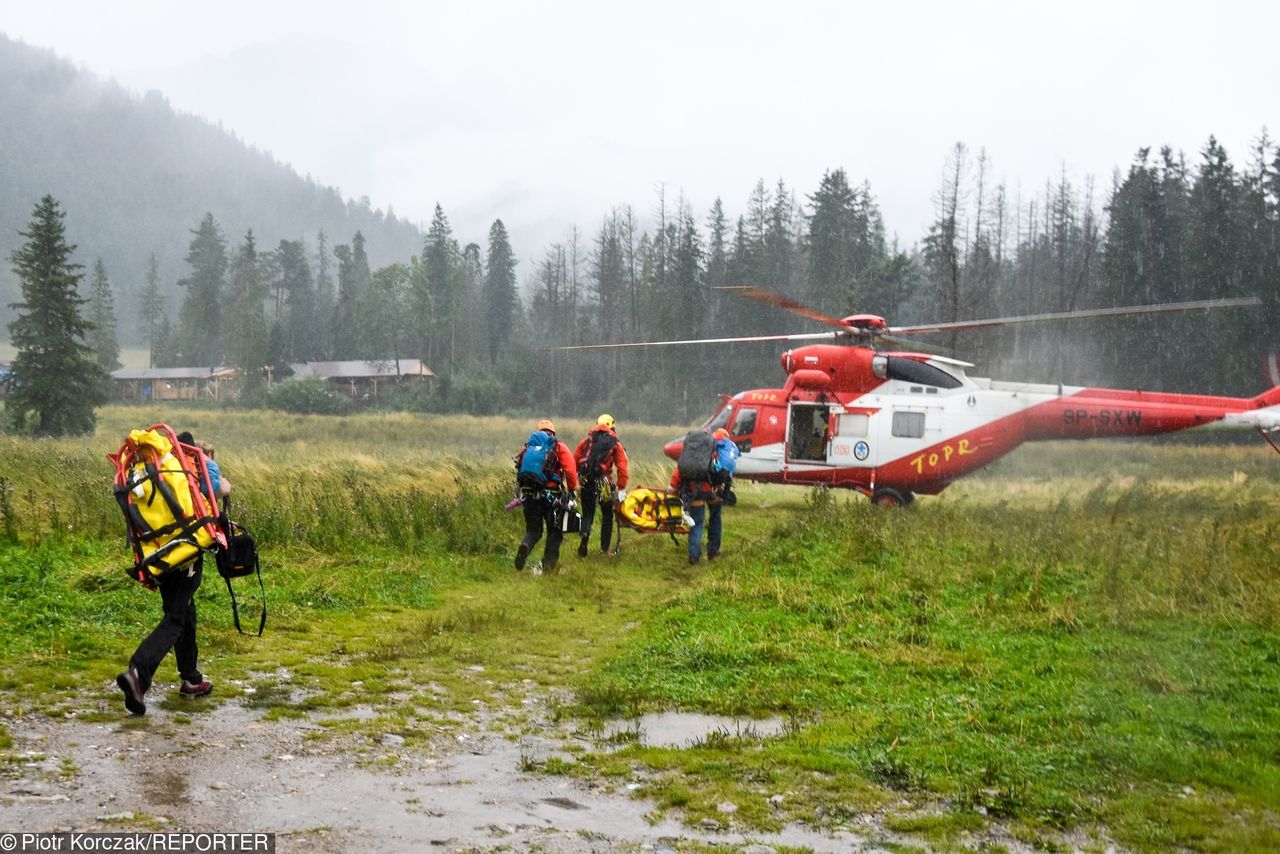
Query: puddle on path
[[686, 729], [228, 769], [353, 713]]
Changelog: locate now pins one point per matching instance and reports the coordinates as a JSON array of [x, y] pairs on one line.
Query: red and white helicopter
[[891, 425]]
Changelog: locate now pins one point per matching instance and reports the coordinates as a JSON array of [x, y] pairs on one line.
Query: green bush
[[311, 396], [478, 393]]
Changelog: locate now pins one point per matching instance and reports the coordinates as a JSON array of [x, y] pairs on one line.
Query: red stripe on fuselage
[[1097, 412]]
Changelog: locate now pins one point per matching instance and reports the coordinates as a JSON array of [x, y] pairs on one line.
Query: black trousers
[[539, 511], [590, 500], [176, 629]]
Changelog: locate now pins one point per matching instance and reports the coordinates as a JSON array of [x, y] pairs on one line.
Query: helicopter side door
[[808, 433]]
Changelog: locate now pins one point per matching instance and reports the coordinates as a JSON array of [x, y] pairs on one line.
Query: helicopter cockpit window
[[911, 371], [744, 423], [718, 420]]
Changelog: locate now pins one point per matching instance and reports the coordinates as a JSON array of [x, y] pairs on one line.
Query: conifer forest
[[351, 282]]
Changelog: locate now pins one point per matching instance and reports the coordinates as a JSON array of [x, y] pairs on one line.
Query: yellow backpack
[[165, 493]]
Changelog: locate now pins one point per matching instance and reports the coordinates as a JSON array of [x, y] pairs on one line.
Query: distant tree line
[[1167, 231], [1172, 232]]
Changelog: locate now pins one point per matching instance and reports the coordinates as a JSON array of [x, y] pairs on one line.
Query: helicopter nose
[[673, 448]]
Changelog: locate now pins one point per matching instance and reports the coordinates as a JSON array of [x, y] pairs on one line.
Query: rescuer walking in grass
[[699, 479], [599, 455], [177, 627], [547, 477]]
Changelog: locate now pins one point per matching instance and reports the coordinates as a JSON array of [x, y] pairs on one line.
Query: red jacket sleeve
[[675, 479], [622, 463], [580, 451], [567, 465]]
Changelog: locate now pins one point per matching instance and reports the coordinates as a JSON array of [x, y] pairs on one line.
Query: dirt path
[[228, 769]]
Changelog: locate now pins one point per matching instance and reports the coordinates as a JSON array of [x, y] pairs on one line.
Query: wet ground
[[476, 789]]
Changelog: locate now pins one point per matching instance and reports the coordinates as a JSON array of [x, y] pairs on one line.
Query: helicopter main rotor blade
[[907, 344], [783, 302], [812, 336], [1158, 308]]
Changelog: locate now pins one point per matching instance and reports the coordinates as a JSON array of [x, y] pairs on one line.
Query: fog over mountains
[[134, 176]]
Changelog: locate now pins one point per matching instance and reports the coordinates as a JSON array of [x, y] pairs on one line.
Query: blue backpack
[[538, 465], [726, 457], [724, 462]]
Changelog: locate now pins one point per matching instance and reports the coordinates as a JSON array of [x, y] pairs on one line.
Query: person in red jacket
[[598, 456], [545, 503]]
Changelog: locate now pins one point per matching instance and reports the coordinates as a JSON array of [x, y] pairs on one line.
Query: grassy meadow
[[1081, 645]]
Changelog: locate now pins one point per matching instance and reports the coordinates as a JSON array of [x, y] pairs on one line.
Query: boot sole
[[131, 702]]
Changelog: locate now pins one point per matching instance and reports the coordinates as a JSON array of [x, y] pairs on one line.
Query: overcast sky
[[548, 114]]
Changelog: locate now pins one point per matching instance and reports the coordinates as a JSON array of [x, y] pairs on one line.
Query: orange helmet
[[720, 433], [545, 424]]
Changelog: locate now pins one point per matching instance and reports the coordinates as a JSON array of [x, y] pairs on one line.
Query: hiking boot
[[199, 689], [128, 683], [693, 559], [714, 556], [522, 554], [582, 546]]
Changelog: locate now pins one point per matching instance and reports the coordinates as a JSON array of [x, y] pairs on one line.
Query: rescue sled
[[652, 511]]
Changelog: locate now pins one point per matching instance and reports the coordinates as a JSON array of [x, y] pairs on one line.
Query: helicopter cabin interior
[[809, 432]]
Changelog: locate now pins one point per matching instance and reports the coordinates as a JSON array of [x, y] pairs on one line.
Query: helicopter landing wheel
[[892, 498]]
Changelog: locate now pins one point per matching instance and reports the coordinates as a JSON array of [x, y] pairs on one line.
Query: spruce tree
[[302, 336], [471, 332], [56, 380], [151, 305], [344, 334], [717, 265], [201, 312], [440, 260], [247, 332], [102, 315], [499, 290], [323, 341]]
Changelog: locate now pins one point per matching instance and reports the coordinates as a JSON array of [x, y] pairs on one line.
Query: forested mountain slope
[[135, 176]]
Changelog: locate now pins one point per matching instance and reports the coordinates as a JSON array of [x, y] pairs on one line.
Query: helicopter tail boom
[[1268, 398]]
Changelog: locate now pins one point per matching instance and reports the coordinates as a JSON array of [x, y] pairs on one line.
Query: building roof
[[361, 369], [172, 373]]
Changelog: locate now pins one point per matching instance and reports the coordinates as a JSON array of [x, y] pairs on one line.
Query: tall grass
[[318, 481], [1066, 661], [1076, 638]]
